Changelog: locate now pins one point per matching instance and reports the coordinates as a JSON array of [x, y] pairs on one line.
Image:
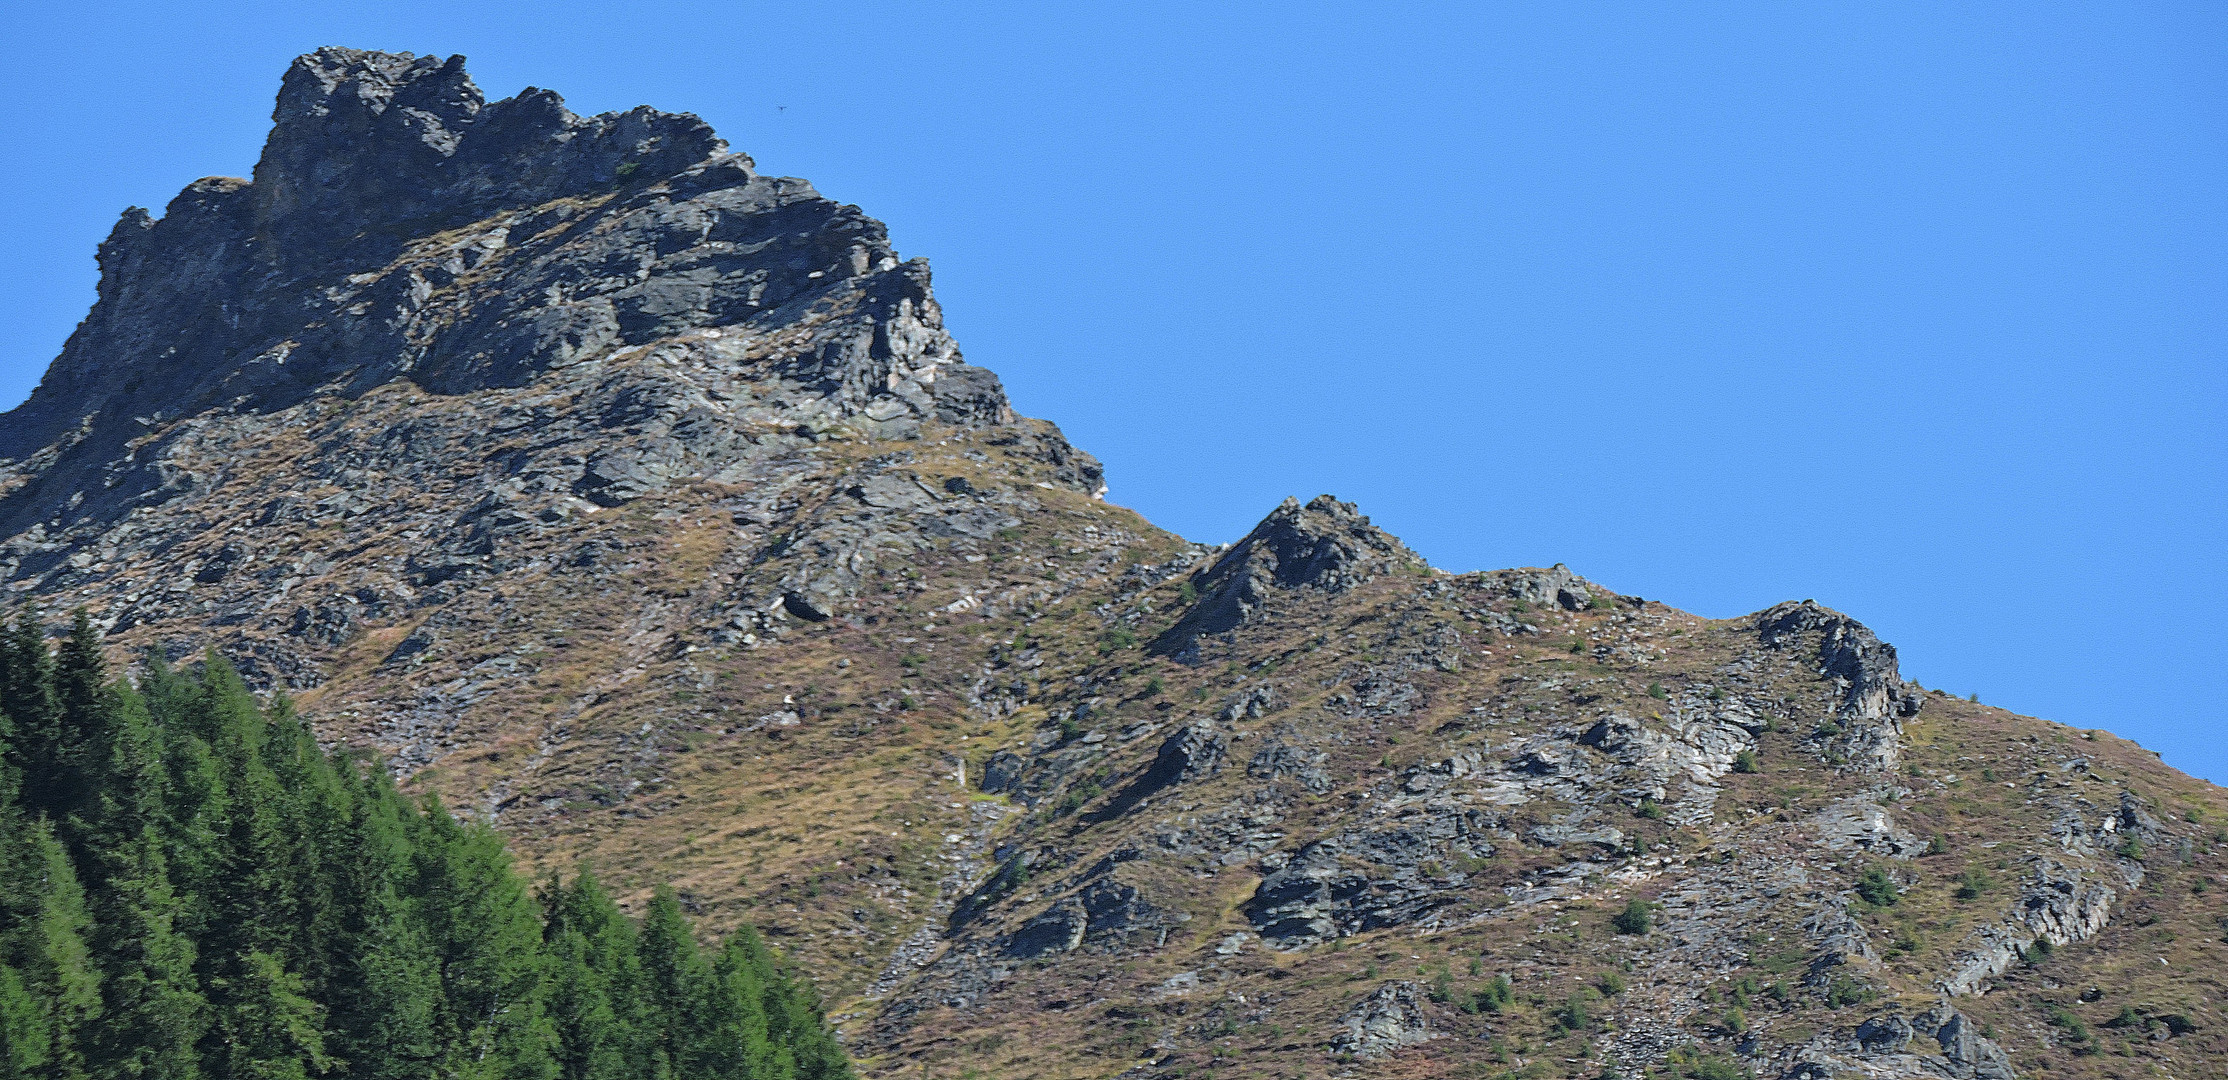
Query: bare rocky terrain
[[639, 503]]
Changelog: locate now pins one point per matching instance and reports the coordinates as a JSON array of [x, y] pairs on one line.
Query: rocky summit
[[639, 504]]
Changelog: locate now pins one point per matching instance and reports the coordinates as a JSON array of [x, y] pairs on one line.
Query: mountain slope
[[640, 504]]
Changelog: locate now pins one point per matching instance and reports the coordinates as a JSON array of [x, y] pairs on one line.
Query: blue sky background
[[1916, 309]]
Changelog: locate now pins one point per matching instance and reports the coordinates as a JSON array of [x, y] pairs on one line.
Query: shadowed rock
[[1195, 751]]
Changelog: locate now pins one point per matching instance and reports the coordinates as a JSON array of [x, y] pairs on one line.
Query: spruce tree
[[795, 1023], [84, 730], [315, 811], [153, 1011], [677, 994], [741, 983], [389, 987], [271, 1029], [11, 774], [193, 790], [482, 926], [592, 981], [49, 951], [27, 698], [130, 799], [26, 1036]]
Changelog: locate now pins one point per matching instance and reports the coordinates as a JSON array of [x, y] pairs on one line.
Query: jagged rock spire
[[364, 142]]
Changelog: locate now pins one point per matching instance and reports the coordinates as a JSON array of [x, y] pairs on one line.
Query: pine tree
[[26, 1036], [11, 775], [193, 790], [677, 993], [27, 698], [130, 799], [592, 981], [270, 1029], [481, 924], [794, 1021], [316, 812], [384, 1003], [154, 1013], [742, 988], [84, 729], [48, 950]]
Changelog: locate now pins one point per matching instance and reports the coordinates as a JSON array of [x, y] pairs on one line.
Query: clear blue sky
[[1916, 309]]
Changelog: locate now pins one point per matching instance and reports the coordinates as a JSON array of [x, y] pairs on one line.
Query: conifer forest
[[191, 887]]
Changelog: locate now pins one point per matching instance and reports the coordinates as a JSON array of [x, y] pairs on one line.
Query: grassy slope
[[631, 749]]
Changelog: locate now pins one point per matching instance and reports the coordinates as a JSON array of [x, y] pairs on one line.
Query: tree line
[[192, 889]]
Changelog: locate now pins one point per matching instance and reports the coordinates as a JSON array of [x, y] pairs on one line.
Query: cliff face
[[641, 504]]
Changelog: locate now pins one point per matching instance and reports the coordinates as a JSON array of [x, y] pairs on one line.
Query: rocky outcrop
[[1645, 758], [1002, 772], [1554, 587], [1939, 1042], [1196, 750], [1326, 545], [1871, 698], [1098, 910], [1861, 824], [1391, 1017], [1855, 658], [1278, 759], [1364, 879], [2058, 902], [1968, 1055]]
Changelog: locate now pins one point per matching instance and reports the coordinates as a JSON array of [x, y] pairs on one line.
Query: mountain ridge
[[649, 513]]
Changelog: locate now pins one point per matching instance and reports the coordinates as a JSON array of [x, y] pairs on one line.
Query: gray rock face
[[1325, 545], [1363, 879], [1884, 1034], [1391, 1017], [1277, 759], [1939, 1042], [1864, 825], [1100, 912], [1002, 772], [2059, 902], [1058, 930], [1196, 750]]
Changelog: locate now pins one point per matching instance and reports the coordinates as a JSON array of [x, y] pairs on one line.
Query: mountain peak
[[398, 227]]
